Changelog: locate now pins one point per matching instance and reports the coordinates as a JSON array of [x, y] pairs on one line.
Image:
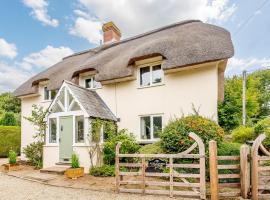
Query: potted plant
[[12, 164], [75, 171]]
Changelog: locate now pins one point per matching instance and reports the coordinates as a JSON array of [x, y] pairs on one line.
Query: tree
[[8, 119], [9, 103]]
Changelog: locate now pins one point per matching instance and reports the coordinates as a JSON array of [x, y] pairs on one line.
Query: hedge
[[10, 139]]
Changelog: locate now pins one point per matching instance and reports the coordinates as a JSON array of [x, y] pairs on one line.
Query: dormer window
[[49, 94], [151, 75], [91, 83]]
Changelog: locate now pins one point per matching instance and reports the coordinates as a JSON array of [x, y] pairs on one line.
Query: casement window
[[151, 126], [79, 129], [49, 94], [52, 130], [151, 75], [91, 83]]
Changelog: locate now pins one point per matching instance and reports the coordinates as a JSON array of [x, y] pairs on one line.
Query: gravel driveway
[[13, 188]]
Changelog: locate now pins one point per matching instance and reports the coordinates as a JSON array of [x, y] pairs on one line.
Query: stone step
[[63, 164], [54, 170]]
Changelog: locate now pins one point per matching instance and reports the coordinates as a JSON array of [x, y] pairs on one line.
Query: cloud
[[134, 17], [40, 12], [238, 65], [45, 58], [8, 50], [14, 73]]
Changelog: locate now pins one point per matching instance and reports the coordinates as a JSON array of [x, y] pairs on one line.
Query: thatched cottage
[[139, 82]]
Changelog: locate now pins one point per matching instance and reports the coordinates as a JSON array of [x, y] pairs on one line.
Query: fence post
[[143, 175], [171, 177], [117, 171], [244, 171], [213, 162]]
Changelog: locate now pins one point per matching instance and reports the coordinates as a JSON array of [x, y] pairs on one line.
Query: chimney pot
[[111, 33]]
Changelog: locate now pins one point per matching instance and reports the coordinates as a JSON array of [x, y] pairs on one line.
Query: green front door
[[65, 138]]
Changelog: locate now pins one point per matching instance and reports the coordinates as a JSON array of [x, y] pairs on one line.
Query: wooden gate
[[260, 177], [183, 174]]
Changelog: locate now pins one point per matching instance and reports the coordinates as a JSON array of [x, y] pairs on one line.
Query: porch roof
[[91, 102]]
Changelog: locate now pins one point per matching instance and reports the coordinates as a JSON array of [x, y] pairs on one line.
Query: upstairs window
[[91, 83], [49, 94], [151, 126], [151, 75]]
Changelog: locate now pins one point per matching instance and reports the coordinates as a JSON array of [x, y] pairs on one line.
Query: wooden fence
[[180, 179]]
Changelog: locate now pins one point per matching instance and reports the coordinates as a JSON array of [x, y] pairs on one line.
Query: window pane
[[75, 107], [96, 84], [79, 136], [56, 108], [145, 76], [157, 123], [157, 74], [53, 94], [62, 97], [46, 93], [52, 130], [88, 83], [70, 98], [145, 128]]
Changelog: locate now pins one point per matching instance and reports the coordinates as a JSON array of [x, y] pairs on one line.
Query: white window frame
[[150, 65], [92, 83], [152, 139], [50, 94], [49, 130]]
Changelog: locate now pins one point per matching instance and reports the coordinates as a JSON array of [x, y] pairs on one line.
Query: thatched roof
[[181, 44], [91, 102]]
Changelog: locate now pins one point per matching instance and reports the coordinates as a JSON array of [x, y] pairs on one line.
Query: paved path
[[12, 188]]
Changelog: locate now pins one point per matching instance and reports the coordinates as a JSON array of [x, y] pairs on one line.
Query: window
[[79, 125], [52, 130], [150, 75], [49, 94], [91, 83], [151, 127]]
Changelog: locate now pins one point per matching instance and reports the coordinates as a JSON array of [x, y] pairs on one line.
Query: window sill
[[149, 86], [94, 88], [148, 141], [51, 145], [46, 101]]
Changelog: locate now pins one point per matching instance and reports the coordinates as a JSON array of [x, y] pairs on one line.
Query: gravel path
[[13, 188]]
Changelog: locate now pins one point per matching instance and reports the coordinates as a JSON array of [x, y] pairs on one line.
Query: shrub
[[105, 170], [33, 152], [242, 134], [8, 119], [75, 163], [154, 148], [263, 126], [12, 157], [229, 149], [10, 138], [174, 137], [129, 145]]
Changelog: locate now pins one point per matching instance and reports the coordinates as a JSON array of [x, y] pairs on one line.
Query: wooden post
[[244, 171], [143, 175], [171, 177], [117, 171], [213, 162]]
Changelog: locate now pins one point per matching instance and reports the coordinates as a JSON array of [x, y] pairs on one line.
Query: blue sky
[[35, 34]]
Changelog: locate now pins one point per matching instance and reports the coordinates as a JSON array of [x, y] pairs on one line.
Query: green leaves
[[75, 163], [12, 157]]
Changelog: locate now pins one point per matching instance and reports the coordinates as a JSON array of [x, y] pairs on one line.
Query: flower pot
[[11, 167], [74, 173]]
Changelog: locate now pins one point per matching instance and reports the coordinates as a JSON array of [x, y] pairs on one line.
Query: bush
[[12, 157], [263, 126], [242, 134], [104, 171], [174, 137], [34, 153], [229, 149], [154, 148], [129, 145], [10, 139], [75, 163], [8, 119]]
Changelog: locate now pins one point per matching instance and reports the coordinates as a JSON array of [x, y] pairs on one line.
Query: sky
[[35, 34]]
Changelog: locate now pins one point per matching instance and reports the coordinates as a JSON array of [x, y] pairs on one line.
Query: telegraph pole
[[244, 97]]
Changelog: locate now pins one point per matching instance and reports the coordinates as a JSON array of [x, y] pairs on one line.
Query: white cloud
[[237, 65], [8, 50], [40, 12], [45, 58], [134, 17]]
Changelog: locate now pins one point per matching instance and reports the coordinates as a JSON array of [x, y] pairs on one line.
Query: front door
[[65, 138]]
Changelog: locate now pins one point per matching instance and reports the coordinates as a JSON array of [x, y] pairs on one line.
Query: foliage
[[10, 138], [174, 137], [103, 171], [129, 145], [263, 126], [242, 134], [154, 148], [8, 119], [229, 149], [12, 157], [75, 163], [34, 152]]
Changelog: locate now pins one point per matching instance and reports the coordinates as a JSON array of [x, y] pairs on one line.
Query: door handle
[[59, 140], [61, 127]]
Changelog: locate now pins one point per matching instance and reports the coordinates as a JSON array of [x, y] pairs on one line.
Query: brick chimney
[[111, 33]]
